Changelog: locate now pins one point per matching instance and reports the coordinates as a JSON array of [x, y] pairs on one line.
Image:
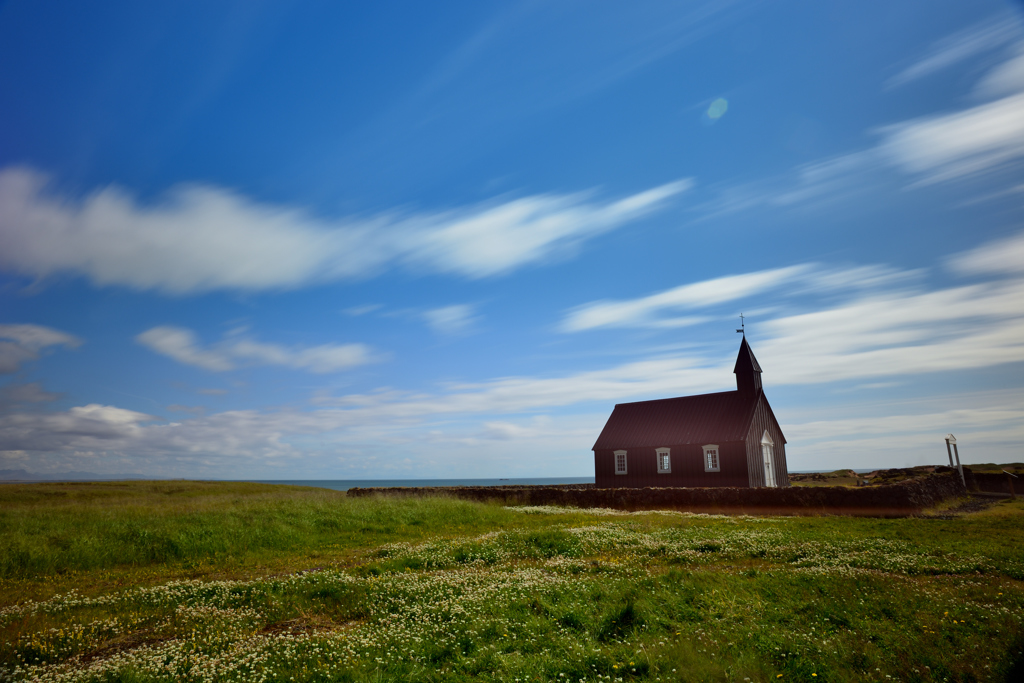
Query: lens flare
[[718, 108]]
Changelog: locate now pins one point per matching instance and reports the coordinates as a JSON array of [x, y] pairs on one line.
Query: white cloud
[[899, 333], [645, 312], [1005, 79], [985, 137], [202, 238], [183, 346], [829, 326], [826, 180], [501, 430], [451, 320], [658, 310], [989, 427], [963, 143], [1001, 256], [21, 343], [362, 310], [973, 140], [982, 37], [499, 239], [83, 427]]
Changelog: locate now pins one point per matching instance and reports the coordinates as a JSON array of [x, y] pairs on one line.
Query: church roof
[[703, 419]]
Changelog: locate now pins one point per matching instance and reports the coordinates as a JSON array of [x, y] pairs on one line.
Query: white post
[[951, 440]]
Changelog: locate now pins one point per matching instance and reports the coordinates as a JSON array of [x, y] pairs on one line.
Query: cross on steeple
[[743, 327]]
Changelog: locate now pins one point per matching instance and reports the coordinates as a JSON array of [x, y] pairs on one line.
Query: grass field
[[215, 581]]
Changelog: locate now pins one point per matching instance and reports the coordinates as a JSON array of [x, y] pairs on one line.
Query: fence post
[[1009, 481]]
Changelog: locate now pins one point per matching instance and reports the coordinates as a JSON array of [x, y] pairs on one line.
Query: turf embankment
[[400, 589], [901, 499]]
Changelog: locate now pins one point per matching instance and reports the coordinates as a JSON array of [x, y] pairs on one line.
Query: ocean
[[346, 484]]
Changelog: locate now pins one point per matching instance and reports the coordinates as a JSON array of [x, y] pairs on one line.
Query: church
[[729, 438]]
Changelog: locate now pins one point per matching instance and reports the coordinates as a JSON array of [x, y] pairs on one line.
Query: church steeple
[[748, 372]]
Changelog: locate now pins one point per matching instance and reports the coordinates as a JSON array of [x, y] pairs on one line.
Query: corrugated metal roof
[[707, 418]]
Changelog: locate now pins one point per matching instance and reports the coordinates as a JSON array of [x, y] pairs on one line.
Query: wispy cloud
[[183, 346], [963, 143], [831, 327], [989, 427], [977, 139], [649, 311], [205, 238], [451, 320], [660, 310], [364, 309], [982, 37], [1001, 256], [983, 138], [21, 343]]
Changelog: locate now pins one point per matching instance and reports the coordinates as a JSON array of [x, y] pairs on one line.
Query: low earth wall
[[893, 500], [993, 483]]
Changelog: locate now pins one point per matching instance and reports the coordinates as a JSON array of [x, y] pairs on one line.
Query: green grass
[[173, 581], [194, 528]]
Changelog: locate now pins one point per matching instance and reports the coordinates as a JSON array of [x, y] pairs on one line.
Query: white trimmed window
[[664, 461], [620, 462], [711, 463]]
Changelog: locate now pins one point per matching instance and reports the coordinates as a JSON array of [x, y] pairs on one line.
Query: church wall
[[764, 420], [687, 467]]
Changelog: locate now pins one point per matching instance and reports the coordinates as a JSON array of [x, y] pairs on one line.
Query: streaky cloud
[[200, 238], [1001, 256], [984, 36], [648, 311], [183, 346]]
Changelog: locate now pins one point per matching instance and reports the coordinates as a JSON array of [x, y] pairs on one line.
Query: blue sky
[[391, 240]]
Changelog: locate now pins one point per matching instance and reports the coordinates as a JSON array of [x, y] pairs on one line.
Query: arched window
[[768, 454]]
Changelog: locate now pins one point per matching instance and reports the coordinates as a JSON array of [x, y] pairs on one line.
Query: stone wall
[[894, 500], [993, 483]]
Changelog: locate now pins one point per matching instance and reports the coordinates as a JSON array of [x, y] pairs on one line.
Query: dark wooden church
[[726, 439]]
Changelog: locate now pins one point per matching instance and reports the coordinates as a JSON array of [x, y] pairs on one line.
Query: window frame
[[717, 456], [625, 462], [667, 452]]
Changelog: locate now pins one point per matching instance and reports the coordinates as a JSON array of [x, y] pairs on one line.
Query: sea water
[[346, 484]]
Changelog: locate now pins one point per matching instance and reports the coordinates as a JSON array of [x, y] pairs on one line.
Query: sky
[[317, 240]]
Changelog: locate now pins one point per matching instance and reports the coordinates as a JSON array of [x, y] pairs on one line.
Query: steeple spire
[[748, 372]]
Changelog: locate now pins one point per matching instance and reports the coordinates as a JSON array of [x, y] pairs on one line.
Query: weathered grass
[[444, 590]]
